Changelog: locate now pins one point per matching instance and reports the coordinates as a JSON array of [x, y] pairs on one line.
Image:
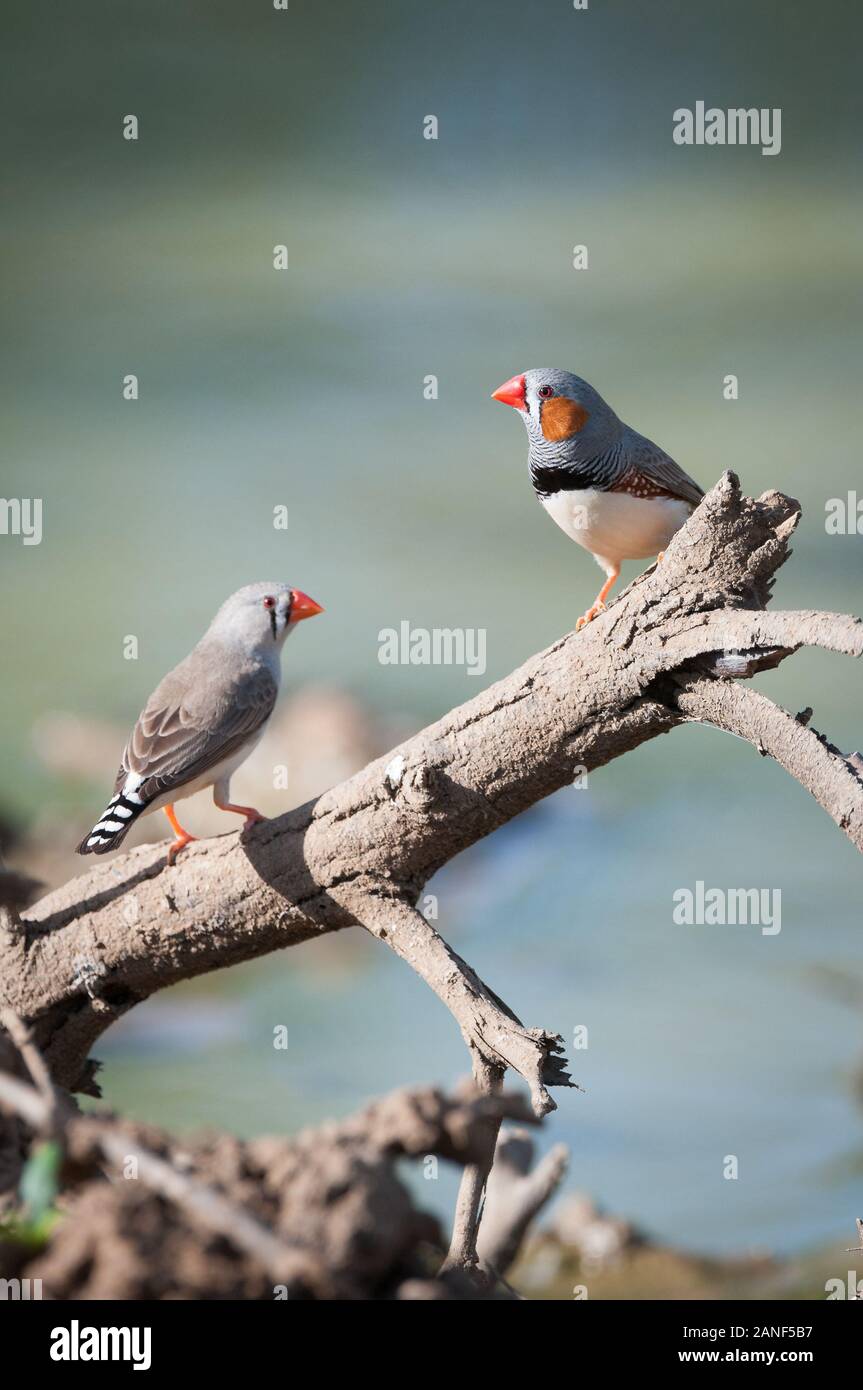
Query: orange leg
[[252, 816], [599, 605], [183, 836], [660, 557]]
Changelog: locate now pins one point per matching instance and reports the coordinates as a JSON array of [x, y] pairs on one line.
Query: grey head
[[569, 426], [258, 617]]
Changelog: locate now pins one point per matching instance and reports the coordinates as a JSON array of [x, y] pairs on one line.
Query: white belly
[[615, 526]]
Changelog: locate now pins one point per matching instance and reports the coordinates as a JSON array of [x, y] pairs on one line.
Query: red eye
[[545, 392], [269, 602]]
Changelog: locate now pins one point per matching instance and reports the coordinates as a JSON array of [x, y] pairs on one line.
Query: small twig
[[203, 1204], [462, 1254], [515, 1195], [856, 1249], [24, 1101], [32, 1057]]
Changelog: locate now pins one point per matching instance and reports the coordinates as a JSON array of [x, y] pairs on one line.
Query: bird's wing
[[666, 476], [193, 720]]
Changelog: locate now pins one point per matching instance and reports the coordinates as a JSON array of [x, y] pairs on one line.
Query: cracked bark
[[664, 654]]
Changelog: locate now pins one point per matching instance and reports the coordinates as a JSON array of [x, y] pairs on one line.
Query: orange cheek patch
[[562, 418]]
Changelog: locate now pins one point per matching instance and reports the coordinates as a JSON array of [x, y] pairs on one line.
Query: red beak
[[302, 606], [511, 393]]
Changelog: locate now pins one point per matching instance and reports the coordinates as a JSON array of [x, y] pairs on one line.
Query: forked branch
[[666, 653]]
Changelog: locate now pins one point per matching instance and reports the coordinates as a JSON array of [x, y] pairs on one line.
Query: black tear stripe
[[273, 622]]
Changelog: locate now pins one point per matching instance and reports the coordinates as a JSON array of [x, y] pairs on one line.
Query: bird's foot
[[178, 844], [660, 557], [183, 836], [252, 816], [588, 617]]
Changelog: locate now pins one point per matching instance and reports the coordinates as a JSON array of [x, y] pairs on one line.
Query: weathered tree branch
[[360, 855], [516, 1194], [833, 780], [489, 1027], [463, 1253]]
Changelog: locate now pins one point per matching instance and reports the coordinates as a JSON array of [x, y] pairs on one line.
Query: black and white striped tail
[[110, 831]]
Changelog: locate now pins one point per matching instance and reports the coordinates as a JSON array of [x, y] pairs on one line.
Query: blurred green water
[[452, 257]]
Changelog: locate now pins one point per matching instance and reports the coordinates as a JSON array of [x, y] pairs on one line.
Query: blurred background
[[304, 388]]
